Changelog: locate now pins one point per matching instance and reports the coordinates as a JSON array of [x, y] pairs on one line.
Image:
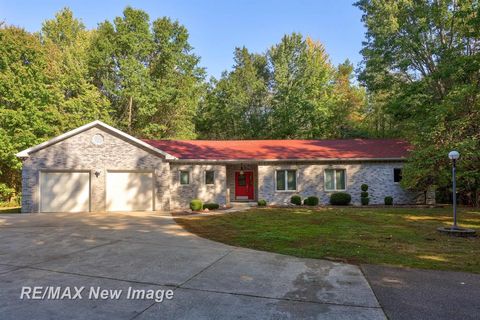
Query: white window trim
[[180, 177], [334, 180], [205, 178], [286, 180], [393, 175]]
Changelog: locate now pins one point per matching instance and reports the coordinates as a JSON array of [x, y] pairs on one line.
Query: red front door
[[244, 185]]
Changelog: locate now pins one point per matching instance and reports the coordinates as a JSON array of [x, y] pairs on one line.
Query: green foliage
[[262, 203], [6, 193], [148, 73], [311, 201], [291, 91], [211, 206], [340, 199], [196, 205], [365, 201], [388, 201], [422, 62], [296, 199]]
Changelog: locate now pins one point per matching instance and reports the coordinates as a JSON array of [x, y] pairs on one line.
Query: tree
[[148, 73], [291, 91], [238, 105], [301, 88], [67, 41], [28, 108], [425, 57], [347, 113]]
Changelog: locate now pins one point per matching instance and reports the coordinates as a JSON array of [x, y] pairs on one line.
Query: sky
[[217, 27]]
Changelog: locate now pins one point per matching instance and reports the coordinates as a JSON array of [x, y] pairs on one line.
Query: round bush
[[196, 205], [296, 199], [364, 187], [340, 199], [311, 201], [364, 194], [211, 206], [262, 203], [388, 201], [365, 201]]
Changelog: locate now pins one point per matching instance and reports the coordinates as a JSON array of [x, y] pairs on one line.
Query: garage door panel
[[64, 192], [129, 191]]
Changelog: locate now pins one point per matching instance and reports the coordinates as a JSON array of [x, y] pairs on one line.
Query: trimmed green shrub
[[211, 206], [196, 205], [262, 203], [388, 201], [364, 199], [311, 201], [296, 199], [340, 199]]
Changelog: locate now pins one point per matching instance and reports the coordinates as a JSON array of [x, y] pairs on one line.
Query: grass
[[10, 210], [391, 236]]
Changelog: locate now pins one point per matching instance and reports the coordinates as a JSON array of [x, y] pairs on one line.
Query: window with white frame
[[209, 177], [184, 177], [335, 179], [286, 180]]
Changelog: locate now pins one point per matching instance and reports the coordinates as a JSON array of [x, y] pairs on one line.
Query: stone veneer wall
[[181, 195], [310, 182], [78, 153]]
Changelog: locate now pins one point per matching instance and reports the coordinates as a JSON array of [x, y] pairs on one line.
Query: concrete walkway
[[148, 251]]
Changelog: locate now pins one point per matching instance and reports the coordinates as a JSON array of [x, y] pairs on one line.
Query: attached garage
[[64, 191], [95, 168], [130, 191]]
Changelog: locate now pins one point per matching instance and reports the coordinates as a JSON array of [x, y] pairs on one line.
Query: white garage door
[[64, 191], [129, 191]]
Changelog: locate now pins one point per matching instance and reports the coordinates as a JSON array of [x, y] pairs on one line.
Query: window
[[286, 180], [209, 177], [184, 177], [335, 179], [242, 180], [397, 175]]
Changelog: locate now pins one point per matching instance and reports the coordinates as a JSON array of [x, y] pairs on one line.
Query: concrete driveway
[[150, 252]]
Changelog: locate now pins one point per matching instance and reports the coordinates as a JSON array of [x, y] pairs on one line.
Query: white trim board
[[26, 153]]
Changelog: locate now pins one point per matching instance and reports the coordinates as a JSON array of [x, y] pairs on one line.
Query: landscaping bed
[[10, 210], [392, 236]]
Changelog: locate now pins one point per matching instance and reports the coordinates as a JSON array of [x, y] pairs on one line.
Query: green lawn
[[393, 236], [10, 210]]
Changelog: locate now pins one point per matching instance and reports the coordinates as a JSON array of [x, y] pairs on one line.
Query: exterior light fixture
[[241, 169], [455, 229]]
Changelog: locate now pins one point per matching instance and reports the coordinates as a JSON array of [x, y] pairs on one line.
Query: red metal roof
[[283, 149]]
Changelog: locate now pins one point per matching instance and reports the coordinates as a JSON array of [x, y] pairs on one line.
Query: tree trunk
[[130, 102]]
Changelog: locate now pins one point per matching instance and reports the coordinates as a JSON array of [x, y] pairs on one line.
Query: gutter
[[327, 160]]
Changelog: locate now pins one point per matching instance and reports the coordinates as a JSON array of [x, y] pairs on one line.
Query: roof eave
[[180, 160], [26, 153]]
